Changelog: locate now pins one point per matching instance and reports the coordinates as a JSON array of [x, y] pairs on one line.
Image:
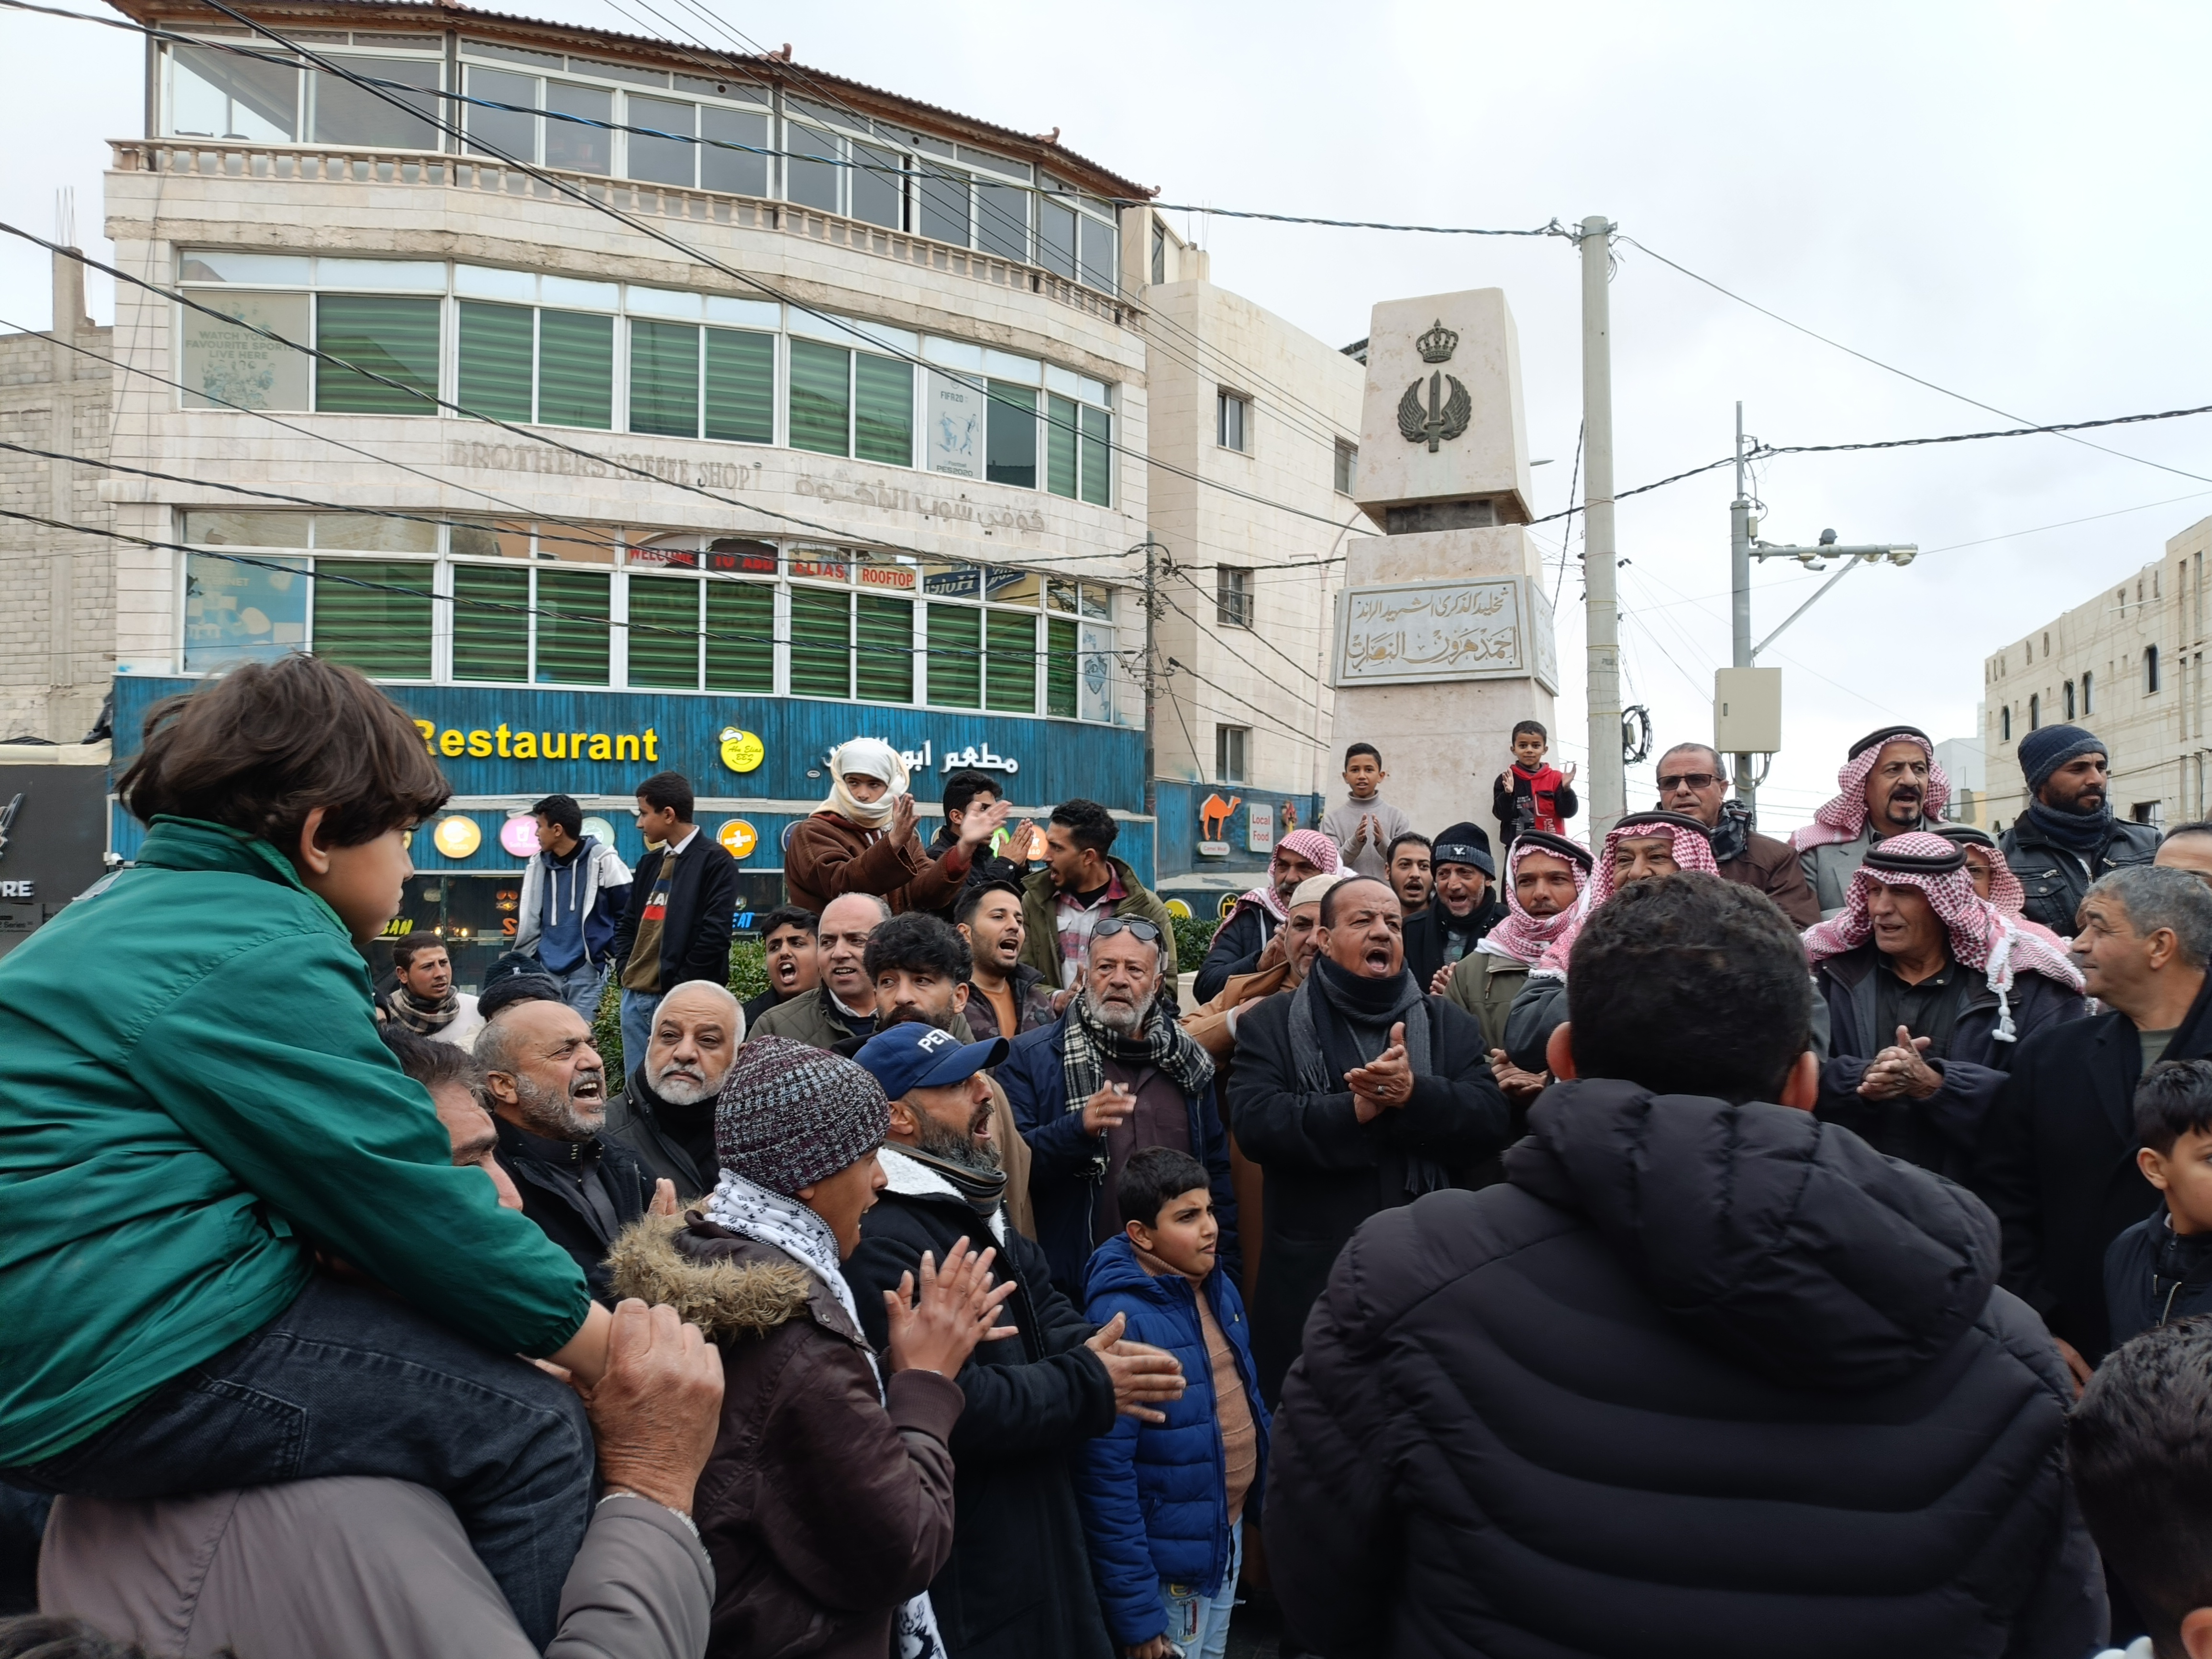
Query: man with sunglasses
[[1116, 1075], [1693, 782]]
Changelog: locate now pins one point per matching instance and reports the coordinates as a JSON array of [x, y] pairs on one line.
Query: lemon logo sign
[[742, 751], [737, 837], [1179, 909], [457, 836]]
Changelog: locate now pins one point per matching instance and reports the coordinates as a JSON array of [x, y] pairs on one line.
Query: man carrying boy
[[1365, 825], [178, 1147], [1163, 1503], [1529, 794]]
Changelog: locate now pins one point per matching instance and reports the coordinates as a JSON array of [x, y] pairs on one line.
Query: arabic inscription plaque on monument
[[1494, 627]]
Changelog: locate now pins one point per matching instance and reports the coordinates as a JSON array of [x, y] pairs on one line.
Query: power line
[[1554, 228]]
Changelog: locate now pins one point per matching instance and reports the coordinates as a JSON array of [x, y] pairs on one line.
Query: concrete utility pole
[[1606, 792], [1747, 785]]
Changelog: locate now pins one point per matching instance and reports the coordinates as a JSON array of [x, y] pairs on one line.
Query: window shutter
[[1061, 433], [821, 398], [886, 631], [664, 632], [576, 369], [956, 656], [395, 338], [1060, 694], [663, 378], [490, 644], [884, 409], [572, 627], [385, 635], [740, 386], [821, 643], [1012, 686], [1097, 456], [495, 358], [740, 637]]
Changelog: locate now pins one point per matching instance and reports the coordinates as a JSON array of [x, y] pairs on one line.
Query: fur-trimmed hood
[[726, 1284]]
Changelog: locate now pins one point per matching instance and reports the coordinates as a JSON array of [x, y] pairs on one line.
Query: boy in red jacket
[[1529, 794]]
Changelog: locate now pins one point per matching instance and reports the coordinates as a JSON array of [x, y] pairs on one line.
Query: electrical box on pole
[[1747, 710]]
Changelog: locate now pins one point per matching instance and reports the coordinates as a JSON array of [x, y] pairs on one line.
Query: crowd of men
[[1695, 1241]]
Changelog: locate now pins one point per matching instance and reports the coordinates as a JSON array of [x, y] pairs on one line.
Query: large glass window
[[491, 623], [956, 656], [387, 336], [226, 366], [498, 362], [213, 95], [821, 397], [572, 627], [885, 629], [821, 643], [237, 612], [878, 185], [340, 111], [811, 175], [1100, 254], [671, 160], [1002, 220], [740, 636], [1055, 239], [663, 631], [741, 172], [576, 369], [585, 145], [663, 378], [941, 198], [740, 386], [883, 410], [1010, 456], [375, 615], [502, 132], [1010, 682]]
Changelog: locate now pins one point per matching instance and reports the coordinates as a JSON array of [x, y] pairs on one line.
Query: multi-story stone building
[[665, 408], [2128, 665]]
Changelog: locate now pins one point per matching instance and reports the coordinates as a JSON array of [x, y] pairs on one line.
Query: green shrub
[[1194, 935], [748, 969], [748, 979]]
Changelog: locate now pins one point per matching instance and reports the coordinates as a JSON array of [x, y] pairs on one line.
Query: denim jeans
[[350, 1381], [1198, 1623], [638, 1008], [580, 987]]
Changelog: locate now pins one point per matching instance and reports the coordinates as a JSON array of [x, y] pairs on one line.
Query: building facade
[[764, 410], [2128, 665]]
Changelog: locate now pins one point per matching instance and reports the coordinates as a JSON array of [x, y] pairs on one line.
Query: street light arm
[[1850, 565]]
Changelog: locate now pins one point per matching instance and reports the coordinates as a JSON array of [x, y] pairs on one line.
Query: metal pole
[[1608, 793], [1151, 795], [1746, 788]]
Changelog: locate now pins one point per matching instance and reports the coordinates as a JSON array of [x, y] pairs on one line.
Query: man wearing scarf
[[1889, 784], [1117, 1074], [1638, 848], [1545, 875], [2069, 837], [423, 997], [1354, 1093], [1019, 1582], [1463, 905], [862, 839], [1929, 988], [1245, 942], [1693, 782]]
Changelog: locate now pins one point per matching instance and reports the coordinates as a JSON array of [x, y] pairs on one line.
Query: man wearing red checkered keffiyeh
[[1641, 845], [1889, 785], [1240, 945], [1929, 987]]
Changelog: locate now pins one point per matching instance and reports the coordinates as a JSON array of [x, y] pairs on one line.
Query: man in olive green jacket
[[205, 1151], [1080, 884]]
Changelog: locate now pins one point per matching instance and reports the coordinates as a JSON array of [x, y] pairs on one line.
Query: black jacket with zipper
[[702, 908], [552, 1195], [2057, 1162], [2154, 1276], [2053, 879], [1941, 1131]]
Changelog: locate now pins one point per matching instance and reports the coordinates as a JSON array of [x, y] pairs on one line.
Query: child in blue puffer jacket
[[1162, 1500]]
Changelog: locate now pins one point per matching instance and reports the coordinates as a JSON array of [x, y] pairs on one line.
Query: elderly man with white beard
[[1116, 1075], [665, 1115]]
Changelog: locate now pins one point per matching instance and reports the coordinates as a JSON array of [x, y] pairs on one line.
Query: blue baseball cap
[[911, 1055]]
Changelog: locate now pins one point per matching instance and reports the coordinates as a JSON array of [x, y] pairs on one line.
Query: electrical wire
[[1554, 228]]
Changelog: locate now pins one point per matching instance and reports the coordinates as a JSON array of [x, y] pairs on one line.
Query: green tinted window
[[820, 399], [491, 623], [572, 627], [1060, 694], [821, 642], [956, 656], [884, 627], [1060, 436], [382, 632], [884, 410], [1011, 456], [663, 631], [1012, 686], [663, 378], [393, 338], [740, 386], [740, 637], [496, 362], [1097, 456], [575, 369]]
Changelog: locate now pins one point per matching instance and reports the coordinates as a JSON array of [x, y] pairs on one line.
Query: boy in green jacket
[[198, 1115]]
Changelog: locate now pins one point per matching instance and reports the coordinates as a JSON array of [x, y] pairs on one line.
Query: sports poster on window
[[228, 364], [956, 428]]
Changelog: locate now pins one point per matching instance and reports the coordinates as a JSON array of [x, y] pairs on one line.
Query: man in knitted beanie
[[2068, 836]]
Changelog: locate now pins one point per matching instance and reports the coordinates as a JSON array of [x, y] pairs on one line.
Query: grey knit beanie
[[790, 1115]]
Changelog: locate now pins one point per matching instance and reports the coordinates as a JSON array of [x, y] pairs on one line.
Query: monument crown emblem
[[1438, 345]]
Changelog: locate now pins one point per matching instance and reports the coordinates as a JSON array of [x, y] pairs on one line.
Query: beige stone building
[[2129, 664]]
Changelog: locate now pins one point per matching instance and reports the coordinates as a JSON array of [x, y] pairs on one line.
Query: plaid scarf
[[1163, 1043], [423, 1018], [1981, 935], [1693, 850], [1843, 819]]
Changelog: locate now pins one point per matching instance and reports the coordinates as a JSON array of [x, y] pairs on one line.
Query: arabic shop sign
[[1498, 627], [919, 760], [453, 742]]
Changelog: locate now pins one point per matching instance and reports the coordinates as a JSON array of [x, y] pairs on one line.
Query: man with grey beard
[[547, 1087], [664, 1115], [1118, 1074]]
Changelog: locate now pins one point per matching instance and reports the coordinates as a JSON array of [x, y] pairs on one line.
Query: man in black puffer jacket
[[1705, 1375]]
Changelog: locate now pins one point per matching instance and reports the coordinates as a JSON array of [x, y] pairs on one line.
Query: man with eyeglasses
[[1117, 1075], [1693, 782]]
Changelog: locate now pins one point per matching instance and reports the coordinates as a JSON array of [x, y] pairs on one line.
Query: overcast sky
[[2003, 200]]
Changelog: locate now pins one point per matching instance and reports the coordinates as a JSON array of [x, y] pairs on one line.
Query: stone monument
[[1444, 630]]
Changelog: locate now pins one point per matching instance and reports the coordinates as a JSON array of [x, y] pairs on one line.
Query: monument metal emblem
[[1446, 416], [1489, 627]]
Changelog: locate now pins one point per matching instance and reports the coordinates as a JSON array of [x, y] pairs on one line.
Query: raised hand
[[937, 1329], [900, 828], [663, 1197], [980, 823], [1141, 1374]]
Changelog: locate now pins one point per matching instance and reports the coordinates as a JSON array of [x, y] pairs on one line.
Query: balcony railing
[[330, 165]]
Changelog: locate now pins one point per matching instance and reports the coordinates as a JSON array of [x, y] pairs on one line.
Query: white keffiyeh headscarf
[[785, 1224], [871, 758]]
